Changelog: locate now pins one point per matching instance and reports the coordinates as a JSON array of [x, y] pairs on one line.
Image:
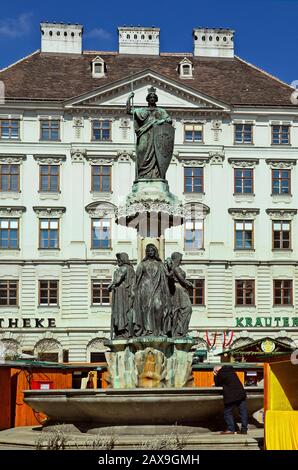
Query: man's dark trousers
[[229, 418]]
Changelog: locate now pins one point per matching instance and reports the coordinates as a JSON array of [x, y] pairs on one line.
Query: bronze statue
[[122, 288], [155, 138], [152, 308], [181, 304]]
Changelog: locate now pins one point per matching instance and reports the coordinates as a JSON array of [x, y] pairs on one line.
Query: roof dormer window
[[98, 67], [185, 68]]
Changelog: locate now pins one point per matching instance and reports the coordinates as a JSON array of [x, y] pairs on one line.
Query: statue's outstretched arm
[[118, 278], [184, 282]]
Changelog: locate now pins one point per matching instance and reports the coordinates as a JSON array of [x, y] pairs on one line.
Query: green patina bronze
[[155, 137]]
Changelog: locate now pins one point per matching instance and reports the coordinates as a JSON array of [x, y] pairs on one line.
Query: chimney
[[211, 42], [61, 38], [138, 40]]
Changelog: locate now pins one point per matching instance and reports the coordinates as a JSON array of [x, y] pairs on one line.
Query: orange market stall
[[19, 375]]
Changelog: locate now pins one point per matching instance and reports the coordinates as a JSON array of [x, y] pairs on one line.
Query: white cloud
[[98, 33], [16, 27]]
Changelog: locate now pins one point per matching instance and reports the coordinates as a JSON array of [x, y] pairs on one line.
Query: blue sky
[[266, 30]]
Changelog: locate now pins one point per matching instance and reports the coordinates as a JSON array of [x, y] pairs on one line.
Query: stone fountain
[[150, 352]]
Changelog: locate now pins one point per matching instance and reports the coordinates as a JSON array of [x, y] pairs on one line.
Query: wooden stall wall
[[205, 378], [22, 414], [5, 402]]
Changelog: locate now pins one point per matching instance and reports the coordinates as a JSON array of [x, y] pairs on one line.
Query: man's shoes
[[243, 431], [228, 432]]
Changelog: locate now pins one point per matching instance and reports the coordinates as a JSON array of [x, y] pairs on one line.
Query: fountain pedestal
[[150, 362]]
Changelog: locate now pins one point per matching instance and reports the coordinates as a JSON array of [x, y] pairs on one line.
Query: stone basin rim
[[156, 392]]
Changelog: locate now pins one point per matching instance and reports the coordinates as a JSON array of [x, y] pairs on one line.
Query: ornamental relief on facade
[[78, 124], [12, 211], [281, 164], [200, 162], [281, 214], [101, 209], [50, 159], [55, 212], [12, 159], [78, 155], [244, 213], [249, 163], [126, 156], [216, 158], [216, 128]]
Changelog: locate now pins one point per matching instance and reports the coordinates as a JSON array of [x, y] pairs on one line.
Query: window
[[10, 178], [280, 135], [48, 357], [281, 181], [243, 133], [243, 234], [193, 133], [197, 294], [101, 130], [8, 293], [9, 129], [98, 67], [100, 292], [101, 233], [194, 235], [48, 293], [194, 180], [185, 68], [245, 292], [283, 292], [49, 178], [49, 129], [101, 178], [243, 181], [48, 234], [281, 235], [9, 234]]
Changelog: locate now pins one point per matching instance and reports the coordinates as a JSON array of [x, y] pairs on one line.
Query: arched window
[[49, 350]]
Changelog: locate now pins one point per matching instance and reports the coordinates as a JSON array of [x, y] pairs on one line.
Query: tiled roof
[[62, 76]]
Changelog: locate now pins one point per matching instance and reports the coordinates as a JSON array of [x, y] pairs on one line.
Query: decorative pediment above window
[[243, 213], [101, 209], [244, 162], [192, 159], [55, 212], [11, 159], [186, 68], [100, 159], [282, 164], [98, 67], [281, 214], [195, 210], [49, 159], [12, 211]]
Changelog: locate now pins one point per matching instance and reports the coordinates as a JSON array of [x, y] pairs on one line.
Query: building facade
[[67, 154]]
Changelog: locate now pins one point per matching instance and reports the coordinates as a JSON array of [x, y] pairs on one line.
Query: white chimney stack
[[61, 38], [211, 42], [138, 40]]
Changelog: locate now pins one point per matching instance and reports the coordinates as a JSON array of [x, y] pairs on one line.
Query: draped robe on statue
[[152, 302], [145, 119]]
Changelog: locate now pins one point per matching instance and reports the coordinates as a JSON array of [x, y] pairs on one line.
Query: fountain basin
[[156, 406]]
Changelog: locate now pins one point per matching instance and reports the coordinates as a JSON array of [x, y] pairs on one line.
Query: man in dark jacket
[[233, 395]]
